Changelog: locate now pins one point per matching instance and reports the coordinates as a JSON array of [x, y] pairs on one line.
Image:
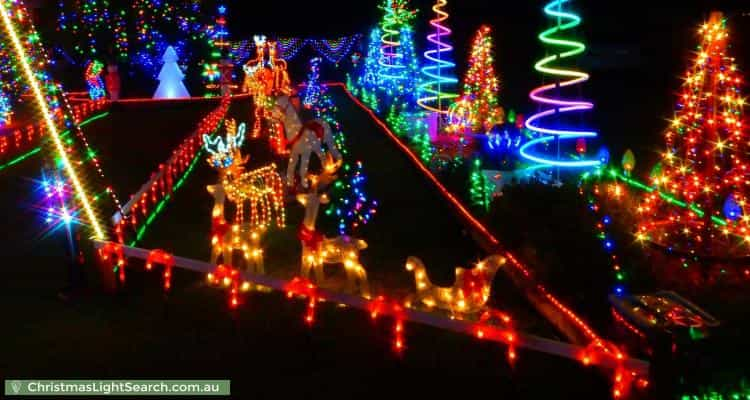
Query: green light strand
[[37, 149], [667, 197], [160, 207]]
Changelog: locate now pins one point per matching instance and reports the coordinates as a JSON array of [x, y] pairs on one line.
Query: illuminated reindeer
[[303, 139], [262, 188], [227, 238], [318, 250], [265, 76], [469, 293]]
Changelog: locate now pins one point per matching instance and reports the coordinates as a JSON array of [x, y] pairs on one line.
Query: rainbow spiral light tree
[[438, 65], [393, 72], [548, 122]]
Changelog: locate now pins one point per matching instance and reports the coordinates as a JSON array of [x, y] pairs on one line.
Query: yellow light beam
[[34, 85]]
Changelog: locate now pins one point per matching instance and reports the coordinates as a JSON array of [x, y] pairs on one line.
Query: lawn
[[264, 346]]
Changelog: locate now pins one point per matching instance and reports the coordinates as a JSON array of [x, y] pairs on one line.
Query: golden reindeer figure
[[227, 238], [266, 76], [261, 188], [318, 250], [469, 293]]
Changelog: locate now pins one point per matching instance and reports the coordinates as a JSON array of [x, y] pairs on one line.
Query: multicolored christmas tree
[[478, 108], [218, 43], [313, 90], [370, 76], [705, 165]]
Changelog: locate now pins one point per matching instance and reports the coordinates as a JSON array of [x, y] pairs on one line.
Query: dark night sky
[[642, 47], [660, 31], [633, 94]]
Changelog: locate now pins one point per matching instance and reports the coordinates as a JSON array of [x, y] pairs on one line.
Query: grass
[[264, 346]]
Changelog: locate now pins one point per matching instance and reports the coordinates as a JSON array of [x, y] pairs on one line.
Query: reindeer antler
[[239, 137], [222, 151], [212, 146]]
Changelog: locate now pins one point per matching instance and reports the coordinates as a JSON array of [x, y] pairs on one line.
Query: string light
[[350, 205], [262, 187], [159, 189], [370, 76], [134, 32], [704, 166], [333, 50], [481, 189], [164, 259], [313, 89], [217, 37], [477, 109], [229, 277], [41, 101]]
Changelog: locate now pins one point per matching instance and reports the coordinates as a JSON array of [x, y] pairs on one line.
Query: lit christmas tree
[[438, 87], [478, 105], [313, 89], [218, 44], [371, 70], [411, 80], [170, 78], [705, 164], [393, 68], [558, 123], [481, 188]]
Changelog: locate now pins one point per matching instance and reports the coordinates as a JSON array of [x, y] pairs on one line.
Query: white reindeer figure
[[304, 139], [318, 250], [468, 294]]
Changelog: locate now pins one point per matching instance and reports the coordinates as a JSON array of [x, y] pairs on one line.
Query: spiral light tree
[[394, 71], [436, 94], [555, 122], [705, 163]]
